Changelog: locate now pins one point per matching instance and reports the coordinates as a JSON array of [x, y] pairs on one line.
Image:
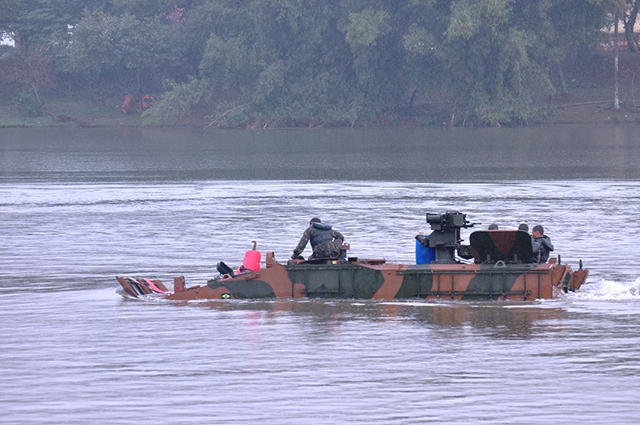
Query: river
[[79, 206]]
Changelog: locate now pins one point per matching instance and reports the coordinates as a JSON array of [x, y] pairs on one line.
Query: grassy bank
[[590, 92]]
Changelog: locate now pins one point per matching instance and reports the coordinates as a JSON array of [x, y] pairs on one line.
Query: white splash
[[610, 290]]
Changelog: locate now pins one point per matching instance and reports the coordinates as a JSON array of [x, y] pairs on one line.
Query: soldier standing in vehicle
[[325, 241], [541, 244]]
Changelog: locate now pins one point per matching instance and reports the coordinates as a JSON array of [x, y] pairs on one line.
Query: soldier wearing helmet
[[325, 241]]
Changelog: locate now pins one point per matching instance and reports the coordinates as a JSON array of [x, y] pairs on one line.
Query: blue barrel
[[424, 255]]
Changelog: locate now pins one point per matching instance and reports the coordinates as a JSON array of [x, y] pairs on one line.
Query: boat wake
[[609, 290]]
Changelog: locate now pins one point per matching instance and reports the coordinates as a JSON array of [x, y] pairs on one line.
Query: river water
[[81, 206]]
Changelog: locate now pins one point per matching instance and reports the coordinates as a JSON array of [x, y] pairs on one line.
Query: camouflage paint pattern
[[372, 280]]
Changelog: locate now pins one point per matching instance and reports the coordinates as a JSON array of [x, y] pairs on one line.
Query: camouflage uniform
[[325, 241]]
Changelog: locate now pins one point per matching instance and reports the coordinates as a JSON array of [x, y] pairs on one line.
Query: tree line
[[306, 62]]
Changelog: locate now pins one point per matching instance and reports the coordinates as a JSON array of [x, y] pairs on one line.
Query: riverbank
[[590, 92], [588, 100]]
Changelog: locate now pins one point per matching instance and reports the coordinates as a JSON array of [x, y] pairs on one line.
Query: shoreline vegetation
[[589, 100], [264, 64]]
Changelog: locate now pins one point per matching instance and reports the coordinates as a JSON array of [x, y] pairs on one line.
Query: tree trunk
[[629, 24], [17, 42], [563, 84], [616, 100]]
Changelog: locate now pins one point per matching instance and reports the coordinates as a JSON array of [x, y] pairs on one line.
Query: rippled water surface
[[79, 207]]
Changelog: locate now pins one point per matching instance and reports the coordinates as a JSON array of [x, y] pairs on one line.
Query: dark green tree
[[305, 62], [498, 59], [41, 21], [121, 50]]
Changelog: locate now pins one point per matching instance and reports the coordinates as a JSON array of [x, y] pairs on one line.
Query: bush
[[29, 104]]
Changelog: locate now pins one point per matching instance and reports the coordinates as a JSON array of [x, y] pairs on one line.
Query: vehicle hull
[[374, 279]]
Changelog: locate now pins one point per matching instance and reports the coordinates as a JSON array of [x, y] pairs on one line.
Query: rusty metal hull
[[370, 280]]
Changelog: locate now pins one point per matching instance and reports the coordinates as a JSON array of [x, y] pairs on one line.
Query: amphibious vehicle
[[496, 265]]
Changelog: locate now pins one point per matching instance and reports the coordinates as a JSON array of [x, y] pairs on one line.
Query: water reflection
[[437, 155], [493, 319]]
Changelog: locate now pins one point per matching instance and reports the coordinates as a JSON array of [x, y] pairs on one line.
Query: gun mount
[[445, 236]]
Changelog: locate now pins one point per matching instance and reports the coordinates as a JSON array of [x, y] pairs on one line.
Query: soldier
[[325, 241], [147, 102], [127, 106], [541, 244]]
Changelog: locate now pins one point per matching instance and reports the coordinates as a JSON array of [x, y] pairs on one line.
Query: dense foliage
[[306, 62]]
